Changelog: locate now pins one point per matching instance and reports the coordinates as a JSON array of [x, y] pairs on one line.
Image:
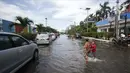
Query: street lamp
[[87, 15], [46, 21]]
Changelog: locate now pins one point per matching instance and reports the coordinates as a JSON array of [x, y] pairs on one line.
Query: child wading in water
[[93, 49], [90, 47], [87, 49]]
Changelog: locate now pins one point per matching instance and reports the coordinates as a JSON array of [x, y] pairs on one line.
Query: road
[[66, 56]]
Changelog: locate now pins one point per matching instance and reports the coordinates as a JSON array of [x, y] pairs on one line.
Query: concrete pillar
[[107, 29]]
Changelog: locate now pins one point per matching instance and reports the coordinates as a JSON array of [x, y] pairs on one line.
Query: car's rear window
[[42, 35]]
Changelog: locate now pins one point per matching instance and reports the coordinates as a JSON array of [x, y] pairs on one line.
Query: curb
[[107, 41]]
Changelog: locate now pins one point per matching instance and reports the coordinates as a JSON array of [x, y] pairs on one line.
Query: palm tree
[[91, 15], [98, 15], [24, 21], [39, 27], [126, 2], [105, 9]]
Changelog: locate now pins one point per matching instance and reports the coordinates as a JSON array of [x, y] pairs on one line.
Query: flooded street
[[66, 56]]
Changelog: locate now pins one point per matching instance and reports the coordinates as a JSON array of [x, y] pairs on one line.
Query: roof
[[102, 22]]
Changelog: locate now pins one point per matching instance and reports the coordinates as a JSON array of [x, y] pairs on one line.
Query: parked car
[[15, 52], [43, 38], [53, 36]]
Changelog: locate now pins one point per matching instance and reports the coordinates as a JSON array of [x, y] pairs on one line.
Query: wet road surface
[[66, 56]]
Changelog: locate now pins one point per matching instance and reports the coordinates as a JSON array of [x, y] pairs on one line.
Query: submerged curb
[[107, 41]]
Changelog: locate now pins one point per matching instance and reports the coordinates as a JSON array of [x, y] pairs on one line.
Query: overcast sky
[[60, 13]]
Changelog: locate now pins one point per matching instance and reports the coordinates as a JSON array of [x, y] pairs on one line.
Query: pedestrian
[[72, 37], [87, 46], [87, 49], [93, 49]]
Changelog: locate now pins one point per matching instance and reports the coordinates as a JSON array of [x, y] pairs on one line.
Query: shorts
[[94, 54], [88, 52]]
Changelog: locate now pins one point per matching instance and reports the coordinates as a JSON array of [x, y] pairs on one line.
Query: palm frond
[[106, 3]]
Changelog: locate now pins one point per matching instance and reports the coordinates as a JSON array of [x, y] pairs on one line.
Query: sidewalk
[[107, 41]]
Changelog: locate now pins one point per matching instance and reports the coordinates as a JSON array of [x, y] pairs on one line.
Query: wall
[[18, 28], [5, 26]]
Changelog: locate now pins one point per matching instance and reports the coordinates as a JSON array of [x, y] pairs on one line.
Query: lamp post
[[46, 21], [87, 16]]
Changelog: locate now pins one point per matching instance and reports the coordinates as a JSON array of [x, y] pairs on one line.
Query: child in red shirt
[[93, 49]]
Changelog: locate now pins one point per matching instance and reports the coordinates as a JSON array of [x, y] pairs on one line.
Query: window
[[5, 43], [18, 41]]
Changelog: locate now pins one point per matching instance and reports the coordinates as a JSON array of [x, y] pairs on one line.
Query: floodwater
[[66, 56]]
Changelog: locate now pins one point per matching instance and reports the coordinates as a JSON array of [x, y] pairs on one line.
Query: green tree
[[39, 27], [105, 9], [126, 3], [24, 21], [98, 15]]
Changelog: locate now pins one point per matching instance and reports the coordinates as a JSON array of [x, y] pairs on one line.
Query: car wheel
[[35, 56]]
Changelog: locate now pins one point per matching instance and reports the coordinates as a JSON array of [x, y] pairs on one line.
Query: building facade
[[107, 26], [5, 27]]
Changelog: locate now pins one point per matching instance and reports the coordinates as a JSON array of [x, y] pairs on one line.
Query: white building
[[105, 25]]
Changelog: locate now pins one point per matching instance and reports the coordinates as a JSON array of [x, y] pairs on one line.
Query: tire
[[35, 56]]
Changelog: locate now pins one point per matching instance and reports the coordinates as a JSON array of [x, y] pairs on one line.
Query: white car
[[43, 39]]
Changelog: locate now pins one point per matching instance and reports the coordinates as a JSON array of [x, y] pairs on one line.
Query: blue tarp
[[102, 22]]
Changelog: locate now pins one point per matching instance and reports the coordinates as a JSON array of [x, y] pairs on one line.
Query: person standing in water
[[87, 49], [93, 49]]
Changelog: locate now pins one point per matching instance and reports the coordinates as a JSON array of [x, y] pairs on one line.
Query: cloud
[[60, 13], [70, 9], [9, 11], [21, 5]]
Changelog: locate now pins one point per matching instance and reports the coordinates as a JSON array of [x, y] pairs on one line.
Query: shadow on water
[[30, 67]]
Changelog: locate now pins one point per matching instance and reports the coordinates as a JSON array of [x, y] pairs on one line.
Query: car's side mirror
[[24, 43], [31, 42]]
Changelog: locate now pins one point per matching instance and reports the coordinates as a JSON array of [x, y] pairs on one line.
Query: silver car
[[15, 51]]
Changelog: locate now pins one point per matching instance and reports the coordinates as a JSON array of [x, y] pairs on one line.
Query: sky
[[59, 13]]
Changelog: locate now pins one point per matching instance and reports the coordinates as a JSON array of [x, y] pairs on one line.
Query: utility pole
[[116, 20]]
